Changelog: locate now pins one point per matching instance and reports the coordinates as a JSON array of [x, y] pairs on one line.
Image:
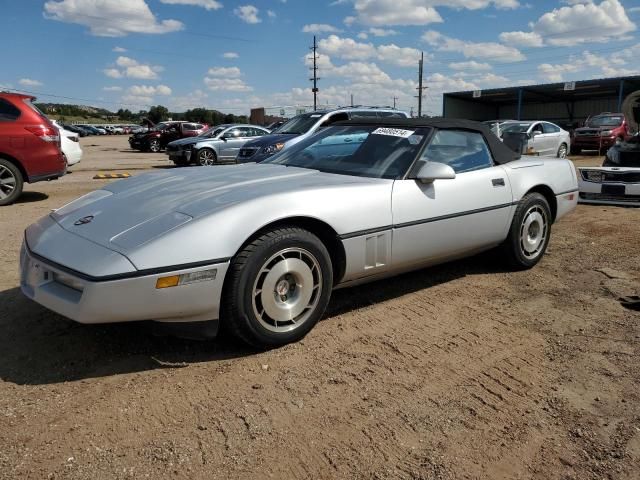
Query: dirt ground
[[464, 371]]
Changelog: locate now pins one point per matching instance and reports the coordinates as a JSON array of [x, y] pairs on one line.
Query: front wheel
[[207, 157], [11, 182], [154, 145], [278, 287], [529, 233]]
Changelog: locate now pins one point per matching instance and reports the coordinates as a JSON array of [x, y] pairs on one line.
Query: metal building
[[563, 103]]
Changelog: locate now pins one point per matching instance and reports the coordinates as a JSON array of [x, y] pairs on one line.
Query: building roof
[[596, 88]]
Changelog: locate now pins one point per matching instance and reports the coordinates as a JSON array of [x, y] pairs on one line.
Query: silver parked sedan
[[219, 144], [543, 138], [261, 246]]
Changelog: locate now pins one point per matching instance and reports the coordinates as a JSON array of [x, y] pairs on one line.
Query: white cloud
[[119, 49], [487, 50], [382, 32], [149, 90], [363, 35], [248, 14], [112, 89], [226, 79], [319, 28], [195, 99], [350, 49], [224, 72], [29, 82], [616, 64], [271, 14], [110, 18], [596, 23], [131, 68], [113, 73], [227, 84], [137, 100], [230, 55], [394, 12], [470, 65], [415, 12], [208, 4], [522, 39]]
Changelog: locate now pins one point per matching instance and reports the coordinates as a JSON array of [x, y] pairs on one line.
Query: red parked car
[[29, 146], [164, 133], [600, 132]]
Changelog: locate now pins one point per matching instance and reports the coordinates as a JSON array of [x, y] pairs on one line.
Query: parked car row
[[241, 143], [532, 137], [599, 132]]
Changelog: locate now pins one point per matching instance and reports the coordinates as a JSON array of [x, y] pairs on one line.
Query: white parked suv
[[69, 144]]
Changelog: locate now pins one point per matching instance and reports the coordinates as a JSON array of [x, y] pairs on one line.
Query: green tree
[[158, 113]]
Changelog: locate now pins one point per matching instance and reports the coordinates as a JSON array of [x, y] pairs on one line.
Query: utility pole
[[352, 99], [315, 78], [394, 101], [420, 87]]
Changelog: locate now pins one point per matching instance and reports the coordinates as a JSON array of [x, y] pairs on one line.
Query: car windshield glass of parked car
[[605, 121], [300, 124], [360, 151], [516, 128], [213, 132]]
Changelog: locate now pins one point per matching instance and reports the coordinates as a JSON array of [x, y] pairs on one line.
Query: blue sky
[[233, 55]]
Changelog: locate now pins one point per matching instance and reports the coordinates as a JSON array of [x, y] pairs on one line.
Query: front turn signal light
[[166, 282]]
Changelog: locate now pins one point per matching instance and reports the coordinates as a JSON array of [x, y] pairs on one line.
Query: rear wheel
[[277, 288], [529, 233], [207, 157], [11, 182], [562, 151]]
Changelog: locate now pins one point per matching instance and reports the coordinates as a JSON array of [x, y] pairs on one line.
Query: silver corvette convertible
[[260, 247]]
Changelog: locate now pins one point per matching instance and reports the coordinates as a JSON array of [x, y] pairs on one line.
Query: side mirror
[[535, 133], [431, 171]]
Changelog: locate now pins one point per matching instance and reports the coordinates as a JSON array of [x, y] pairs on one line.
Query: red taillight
[[45, 133]]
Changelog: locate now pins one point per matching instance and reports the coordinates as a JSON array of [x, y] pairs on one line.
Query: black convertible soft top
[[501, 153]]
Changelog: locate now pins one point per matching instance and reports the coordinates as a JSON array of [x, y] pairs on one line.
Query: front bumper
[[609, 193], [593, 142], [137, 143], [89, 300]]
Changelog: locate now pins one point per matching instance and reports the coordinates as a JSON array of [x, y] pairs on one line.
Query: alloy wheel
[[154, 146], [206, 157], [287, 290], [562, 151], [8, 182]]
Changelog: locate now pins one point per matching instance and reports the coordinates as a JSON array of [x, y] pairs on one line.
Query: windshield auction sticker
[[393, 132]]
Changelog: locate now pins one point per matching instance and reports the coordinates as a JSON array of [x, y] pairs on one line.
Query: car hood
[[131, 212], [270, 139], [188, 141]]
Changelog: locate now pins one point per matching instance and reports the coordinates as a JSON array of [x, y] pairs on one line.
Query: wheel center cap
[[282, 287]]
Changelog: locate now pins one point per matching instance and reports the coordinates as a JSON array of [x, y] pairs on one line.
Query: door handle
[[498, 182]]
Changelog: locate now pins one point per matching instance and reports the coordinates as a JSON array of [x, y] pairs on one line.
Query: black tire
[[11, 182], [562, 151], [260, 263], [181, 163], [154, 145], [519, 251], [206, 157], [575, 150]]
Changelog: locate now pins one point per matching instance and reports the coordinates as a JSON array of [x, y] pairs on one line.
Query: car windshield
[[300, 124], [360, 151], [605, 121], [516, 127], [213, 132]]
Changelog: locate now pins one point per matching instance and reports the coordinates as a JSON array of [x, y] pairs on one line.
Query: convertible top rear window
[[365, 151]]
